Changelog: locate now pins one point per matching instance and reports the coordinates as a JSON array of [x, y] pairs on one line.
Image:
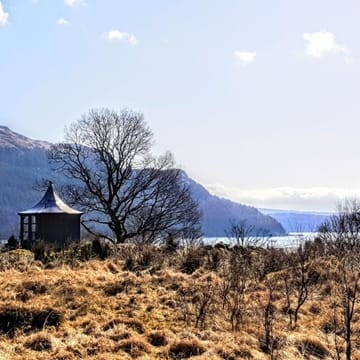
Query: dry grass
[[170, 310]]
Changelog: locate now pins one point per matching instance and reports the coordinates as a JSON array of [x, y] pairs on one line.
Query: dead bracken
[[39, 343], [27, 320], [234, 308], [185, 349]]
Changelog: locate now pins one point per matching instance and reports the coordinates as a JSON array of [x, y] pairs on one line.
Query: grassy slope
[[109, 313]]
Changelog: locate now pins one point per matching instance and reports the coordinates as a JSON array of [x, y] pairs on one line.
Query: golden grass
[[98, 310]]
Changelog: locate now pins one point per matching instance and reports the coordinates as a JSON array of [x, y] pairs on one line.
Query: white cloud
[[311, 199], [74, 2], [323, 43], [3, 15], [116, 35], [246, 57], [62, 21]]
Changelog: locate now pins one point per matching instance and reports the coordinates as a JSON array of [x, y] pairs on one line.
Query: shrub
[[214, 259], [41, 251], [30, 288], [134, 347], [142, 257], [185, 349], [114, 289], [39, 343], [171, 244], [101, 249], [12, 243], [34, 287], [191, 261], [235, 354], [135, 325], [12, 319], [19, 259], [157, 339], [273, 260], [312, 347], [111, 324]]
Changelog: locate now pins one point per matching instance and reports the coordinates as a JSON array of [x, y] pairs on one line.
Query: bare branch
[[117, 181]]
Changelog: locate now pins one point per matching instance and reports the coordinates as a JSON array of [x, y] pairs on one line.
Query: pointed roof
[[51, 203]]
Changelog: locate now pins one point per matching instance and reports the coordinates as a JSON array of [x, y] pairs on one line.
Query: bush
[[134, 347], [312, 347], [142, 257], [101, 249], [16, 259], [157, 339], [27, 320], [41, 250], [273, 260], [12, 243], [186, 349], [171, 244], [192, 260], [29, 289], [39, 343]]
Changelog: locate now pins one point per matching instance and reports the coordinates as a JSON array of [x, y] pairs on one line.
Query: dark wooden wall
[[55, 228]]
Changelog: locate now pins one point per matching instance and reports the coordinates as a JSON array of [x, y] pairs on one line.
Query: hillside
[[149, 303], [23, 164], [298, 221], [219, 212]]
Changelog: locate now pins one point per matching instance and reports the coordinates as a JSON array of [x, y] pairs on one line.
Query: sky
[[258, 100]]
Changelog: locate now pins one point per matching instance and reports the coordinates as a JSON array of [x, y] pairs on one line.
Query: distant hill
[[219, 212], [23, 164], [298, 221]]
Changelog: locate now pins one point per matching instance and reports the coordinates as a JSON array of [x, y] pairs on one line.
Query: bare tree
[[238, 277], [269, 342], [345, 293], [341, 235], [348, 294], [299, 279], [242, 234], [119, 184]]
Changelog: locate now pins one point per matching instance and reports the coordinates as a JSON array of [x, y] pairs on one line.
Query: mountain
[[12, 140], [218, 213], [298, 221], [23, 164]]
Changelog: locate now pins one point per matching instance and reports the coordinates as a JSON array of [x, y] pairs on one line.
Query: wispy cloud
[[4, 16], [322, 43], [74, 2], [315, 198], [116, 35], [62, 21], [245, 57]]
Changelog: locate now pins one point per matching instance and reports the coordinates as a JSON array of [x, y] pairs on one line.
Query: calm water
[[290, 240], [287, 241]]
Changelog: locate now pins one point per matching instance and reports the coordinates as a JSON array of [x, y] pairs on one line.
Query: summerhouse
[[51, 220]]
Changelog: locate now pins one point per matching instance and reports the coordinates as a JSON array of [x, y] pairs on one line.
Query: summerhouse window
[[29, 227]]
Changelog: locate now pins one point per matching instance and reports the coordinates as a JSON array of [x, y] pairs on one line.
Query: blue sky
[[258, 100]]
